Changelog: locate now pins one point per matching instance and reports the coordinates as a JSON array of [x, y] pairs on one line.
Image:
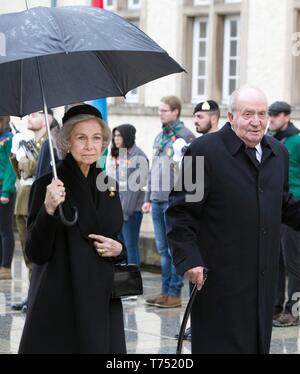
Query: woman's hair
[[63, 136], [4, 122], [127, 132]]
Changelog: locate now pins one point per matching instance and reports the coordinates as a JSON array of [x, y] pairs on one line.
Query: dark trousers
[[289, 265], [7, 241]]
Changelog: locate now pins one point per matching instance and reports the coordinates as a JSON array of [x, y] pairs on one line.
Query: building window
[[296, 61], [110, 4], [134, 4], [200, 53], [231, 65], [201, 2]]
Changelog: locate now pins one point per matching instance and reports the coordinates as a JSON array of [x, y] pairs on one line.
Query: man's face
[[278, 121], [251, 118], [167, 115], [202, 122], [36, 121]]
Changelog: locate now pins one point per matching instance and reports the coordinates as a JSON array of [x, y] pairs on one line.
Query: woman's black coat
[[234, 231], [70, 309]]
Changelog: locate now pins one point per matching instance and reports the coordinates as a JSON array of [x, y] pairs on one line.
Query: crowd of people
[[244, 231]]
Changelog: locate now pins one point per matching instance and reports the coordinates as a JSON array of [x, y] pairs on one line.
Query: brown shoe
[[286, 320], [169, 302], [5, 274], [155, 299]]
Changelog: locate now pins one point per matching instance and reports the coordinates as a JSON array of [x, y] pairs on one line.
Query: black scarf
[[83, 194]]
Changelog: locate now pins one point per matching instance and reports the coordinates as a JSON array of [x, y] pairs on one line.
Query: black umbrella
[[59, 56], [84, 53]]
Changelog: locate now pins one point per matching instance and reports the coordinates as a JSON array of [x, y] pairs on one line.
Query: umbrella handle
[[63, 218]]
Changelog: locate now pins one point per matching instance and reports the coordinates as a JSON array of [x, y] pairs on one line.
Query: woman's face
[[86, 142], [118, 139]]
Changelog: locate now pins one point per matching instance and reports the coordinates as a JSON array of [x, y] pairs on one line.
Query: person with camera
[[24, 154]]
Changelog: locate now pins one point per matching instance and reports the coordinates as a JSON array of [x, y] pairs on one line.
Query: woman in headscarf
[[70, 309], [129, 166]]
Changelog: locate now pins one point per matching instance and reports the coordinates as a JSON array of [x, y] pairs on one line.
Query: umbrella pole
[[53, 163]]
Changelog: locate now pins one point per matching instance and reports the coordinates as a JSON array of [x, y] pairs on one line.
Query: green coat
[[7, 174], [292, 144]]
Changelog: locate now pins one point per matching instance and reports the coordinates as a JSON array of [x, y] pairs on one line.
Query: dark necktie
[[252, 154]]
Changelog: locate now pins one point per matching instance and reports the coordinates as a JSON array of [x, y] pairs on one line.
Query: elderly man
[[234, 231]]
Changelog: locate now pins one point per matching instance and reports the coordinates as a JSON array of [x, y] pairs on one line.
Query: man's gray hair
[[62, 141], [232, 105]]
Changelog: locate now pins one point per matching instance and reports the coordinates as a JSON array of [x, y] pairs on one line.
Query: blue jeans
[[130, 235], [171, 281]]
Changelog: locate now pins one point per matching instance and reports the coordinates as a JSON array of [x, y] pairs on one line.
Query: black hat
[[207, 106], [280, 107], [81, 109]]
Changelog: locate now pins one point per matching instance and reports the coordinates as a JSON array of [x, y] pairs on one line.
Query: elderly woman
[[70, 306]]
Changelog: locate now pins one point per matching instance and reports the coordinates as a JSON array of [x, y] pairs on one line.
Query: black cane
[[185, 319], [187, 313]]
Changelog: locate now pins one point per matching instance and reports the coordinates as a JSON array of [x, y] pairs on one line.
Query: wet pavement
[[149, 330]]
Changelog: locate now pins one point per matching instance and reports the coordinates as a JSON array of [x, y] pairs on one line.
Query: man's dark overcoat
[[234, 232]]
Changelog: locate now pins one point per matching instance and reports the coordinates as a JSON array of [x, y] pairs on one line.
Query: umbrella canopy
[[83, 53]]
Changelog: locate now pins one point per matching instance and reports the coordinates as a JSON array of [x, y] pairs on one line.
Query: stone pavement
[[148, 329]]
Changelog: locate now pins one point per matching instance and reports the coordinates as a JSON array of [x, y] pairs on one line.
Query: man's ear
[[230, 117], [214, 119], [177, 112]]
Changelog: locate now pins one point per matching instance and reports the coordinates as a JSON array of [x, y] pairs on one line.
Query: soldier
[[24, 156]]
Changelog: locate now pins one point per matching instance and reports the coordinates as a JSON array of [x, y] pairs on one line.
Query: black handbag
[[127, 281]]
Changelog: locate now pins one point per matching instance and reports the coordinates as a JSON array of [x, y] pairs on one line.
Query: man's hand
[[196, 276], [146, 208]]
